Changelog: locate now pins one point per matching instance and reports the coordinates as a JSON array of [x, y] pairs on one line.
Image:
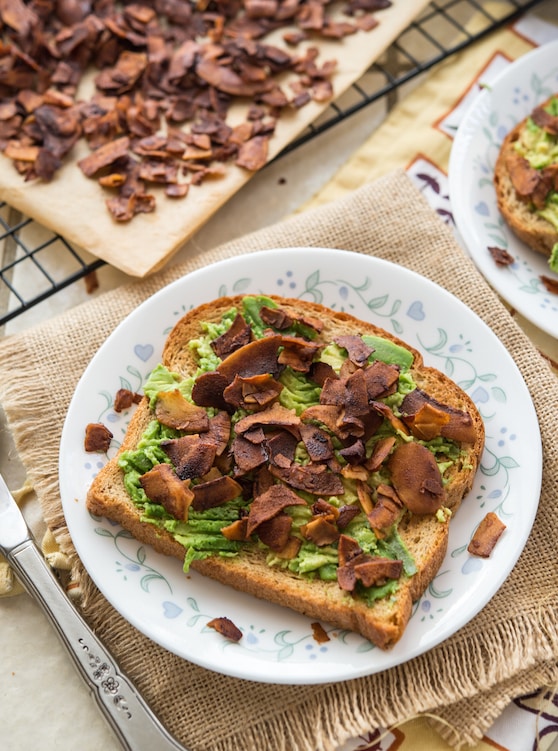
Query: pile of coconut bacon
[[165, 75]]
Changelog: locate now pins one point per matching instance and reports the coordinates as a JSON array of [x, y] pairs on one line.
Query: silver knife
[[136, 726]]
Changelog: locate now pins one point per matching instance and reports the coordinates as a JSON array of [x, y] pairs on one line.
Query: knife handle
[[136, 726]]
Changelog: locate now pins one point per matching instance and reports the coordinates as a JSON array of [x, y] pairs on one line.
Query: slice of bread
[[424, 534], [518, 210]]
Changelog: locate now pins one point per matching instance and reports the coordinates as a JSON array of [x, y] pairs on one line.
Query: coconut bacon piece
[[208, 390], [174, 411], [381, 379], [252, 154], [486, 535], [387, 509], [274, 416], [260, 356], [320, 531], [254, 393], [223, 78], [427, 418], [104, 156], [500, 256], [215, 493], [162, 485], [124, 398], [219, 432], [297, 353], [235, 337], [226, 628], [378, 570], [190, 456], [270, 504], [380, 452], [276, 532], [281, 446], [97, 437], [312, 478], [524, 177], [317, 442], [357, 351], [416, 478], [545, 120], [247, 455], [550, 283]]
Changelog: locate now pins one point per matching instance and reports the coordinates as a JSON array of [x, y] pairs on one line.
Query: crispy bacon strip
[[97, 437], [524, 177], [545, 120], [162, 485], [252, 154], [550, 283], [486, 535], [270, 504], [124, 399], [416, 478], [104, 156], [215, 493], [226, 628], [174, 411], [501, 256]]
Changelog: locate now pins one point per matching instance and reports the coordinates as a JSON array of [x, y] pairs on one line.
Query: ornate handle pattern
[[135, 725]]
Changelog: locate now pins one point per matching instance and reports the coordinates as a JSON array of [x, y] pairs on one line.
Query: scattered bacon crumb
[[501, 257], [97, 437], [550, 284], [319, 633], [124, 399], [226, 628], [486, 535], [91, 282]]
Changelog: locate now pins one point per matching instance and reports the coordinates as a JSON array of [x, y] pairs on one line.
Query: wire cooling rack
[[422, 45]]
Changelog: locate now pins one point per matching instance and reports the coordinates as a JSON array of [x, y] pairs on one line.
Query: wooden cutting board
[[74, 206]]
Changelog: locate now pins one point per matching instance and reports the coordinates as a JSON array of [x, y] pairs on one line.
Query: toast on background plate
[[299, 454], [526, 180]]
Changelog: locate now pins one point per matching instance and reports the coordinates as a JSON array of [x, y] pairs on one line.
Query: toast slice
[[526, 178], [341, 458]]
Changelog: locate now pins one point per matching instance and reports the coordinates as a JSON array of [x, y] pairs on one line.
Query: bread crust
[[535, 231], [384, 622]]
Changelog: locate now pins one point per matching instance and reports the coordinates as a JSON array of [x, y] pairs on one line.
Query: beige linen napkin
[[510, 648]]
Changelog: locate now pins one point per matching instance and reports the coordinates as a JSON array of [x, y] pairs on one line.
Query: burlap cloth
[[510, 648]]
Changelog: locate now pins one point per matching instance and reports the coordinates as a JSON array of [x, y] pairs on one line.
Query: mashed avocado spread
[[201, 533]]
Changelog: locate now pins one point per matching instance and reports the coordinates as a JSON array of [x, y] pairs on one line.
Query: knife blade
[[134, 723]]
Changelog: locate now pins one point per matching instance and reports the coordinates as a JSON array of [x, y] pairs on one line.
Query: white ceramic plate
[[151, 591], [512, 96]]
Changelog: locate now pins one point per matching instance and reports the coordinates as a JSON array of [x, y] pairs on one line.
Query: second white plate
[[523, 85]]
